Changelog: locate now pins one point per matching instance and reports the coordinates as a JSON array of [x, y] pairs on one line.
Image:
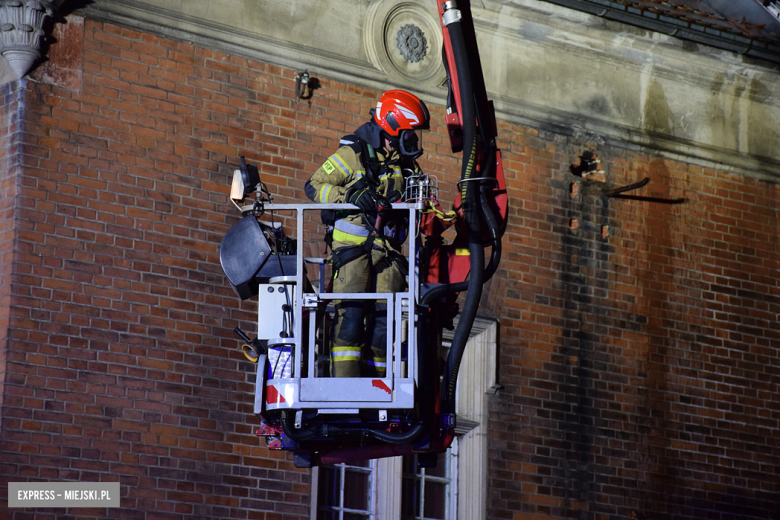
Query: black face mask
[[409, 144]]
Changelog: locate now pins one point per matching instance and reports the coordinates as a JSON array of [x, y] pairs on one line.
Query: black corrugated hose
[[470, 200]]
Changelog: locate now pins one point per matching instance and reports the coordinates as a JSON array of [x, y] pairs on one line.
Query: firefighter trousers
[[359, 346]]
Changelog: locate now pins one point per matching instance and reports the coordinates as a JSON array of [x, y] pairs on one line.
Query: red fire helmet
[[399, 110]]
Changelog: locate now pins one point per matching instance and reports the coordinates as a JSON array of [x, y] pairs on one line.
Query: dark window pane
[[410, 497], [327, 515], [355, 516], [329, 486], [435, 503], [356, 489], [441, 466], [410, 465]]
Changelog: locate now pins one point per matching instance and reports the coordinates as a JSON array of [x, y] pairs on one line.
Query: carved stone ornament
[[21, 28], [411, 41], [399, 38]]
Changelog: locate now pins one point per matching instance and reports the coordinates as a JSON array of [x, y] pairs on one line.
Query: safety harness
[[374, 169]]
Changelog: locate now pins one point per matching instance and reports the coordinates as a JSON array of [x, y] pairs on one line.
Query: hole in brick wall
[[596, 176]]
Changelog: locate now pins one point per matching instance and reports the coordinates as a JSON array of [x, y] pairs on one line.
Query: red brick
[[642, 360]]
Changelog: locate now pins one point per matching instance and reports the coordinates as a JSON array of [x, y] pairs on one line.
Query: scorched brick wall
[[638, 338], [639, 341]]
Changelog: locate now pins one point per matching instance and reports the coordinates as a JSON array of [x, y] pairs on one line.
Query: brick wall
[[122, 363], [639, 368], [10, 104]]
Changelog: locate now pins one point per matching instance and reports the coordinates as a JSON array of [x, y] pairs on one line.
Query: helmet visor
[[410, 143]]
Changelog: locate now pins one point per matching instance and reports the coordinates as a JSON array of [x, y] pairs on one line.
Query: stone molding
[[388, 24], [545, 66]]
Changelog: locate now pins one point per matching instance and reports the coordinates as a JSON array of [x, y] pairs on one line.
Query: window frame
[[478, 378], [450, 481], [370, 471]]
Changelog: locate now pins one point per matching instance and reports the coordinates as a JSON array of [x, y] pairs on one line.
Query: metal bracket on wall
[[305, 85], [617, 193]]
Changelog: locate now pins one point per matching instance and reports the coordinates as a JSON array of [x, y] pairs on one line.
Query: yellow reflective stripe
[[396, 173], [377, 362], [347, 231], [346, 237], [352, 229], [339, 162], [346, 349], [345, 353], [324, 193]]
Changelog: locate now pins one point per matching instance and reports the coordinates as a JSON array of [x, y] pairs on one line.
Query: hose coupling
[[451, 13]]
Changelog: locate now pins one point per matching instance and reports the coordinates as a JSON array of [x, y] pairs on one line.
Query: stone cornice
[[546, 66], [172, 24]]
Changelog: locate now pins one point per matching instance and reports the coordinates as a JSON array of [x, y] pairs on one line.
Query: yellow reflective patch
[[329, 167], [461, 252]]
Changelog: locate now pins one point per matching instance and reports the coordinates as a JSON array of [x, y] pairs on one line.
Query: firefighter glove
[[385, 203], [394, 196], [365, 199]]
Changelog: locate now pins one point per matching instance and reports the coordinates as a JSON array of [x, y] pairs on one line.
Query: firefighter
[[368, 170]]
